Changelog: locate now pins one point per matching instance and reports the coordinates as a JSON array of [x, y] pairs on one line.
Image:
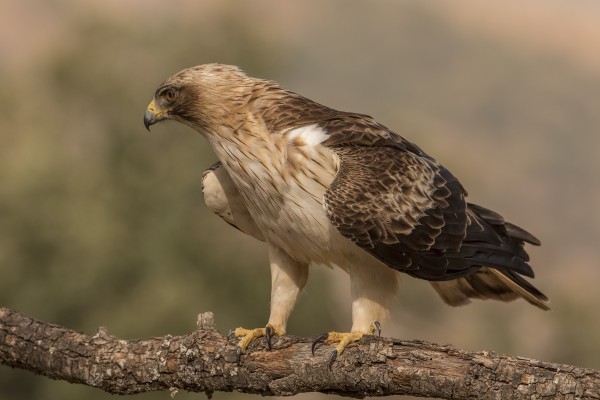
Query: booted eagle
[[337, 188]]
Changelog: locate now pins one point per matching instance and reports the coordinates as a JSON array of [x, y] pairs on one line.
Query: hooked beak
[[153, 115]]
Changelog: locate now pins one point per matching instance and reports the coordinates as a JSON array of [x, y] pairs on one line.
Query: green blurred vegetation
[[103, 224]]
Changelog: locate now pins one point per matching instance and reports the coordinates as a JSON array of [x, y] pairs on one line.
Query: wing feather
[[403, 208], [400, 205]]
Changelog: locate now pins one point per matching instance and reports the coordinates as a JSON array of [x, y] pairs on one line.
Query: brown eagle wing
[[394, 201]]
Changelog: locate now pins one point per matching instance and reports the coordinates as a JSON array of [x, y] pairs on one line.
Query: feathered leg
[[373, 290], [288, 278]]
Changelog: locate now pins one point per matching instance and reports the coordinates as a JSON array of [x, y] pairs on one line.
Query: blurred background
[[103, 224]]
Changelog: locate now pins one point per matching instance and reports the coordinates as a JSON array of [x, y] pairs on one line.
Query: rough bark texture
[[205, 361]]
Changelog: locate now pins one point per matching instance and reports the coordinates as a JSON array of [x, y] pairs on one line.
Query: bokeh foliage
[[102, 223]]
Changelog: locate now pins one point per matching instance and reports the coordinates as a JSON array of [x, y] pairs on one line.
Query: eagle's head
[[200, 96]]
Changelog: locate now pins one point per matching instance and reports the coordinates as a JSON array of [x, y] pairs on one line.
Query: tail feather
[[489, 283], [497, 247], [525, 289]]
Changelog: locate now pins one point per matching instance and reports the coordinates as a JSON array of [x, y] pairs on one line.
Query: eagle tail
[[498, 248], [489, 283]]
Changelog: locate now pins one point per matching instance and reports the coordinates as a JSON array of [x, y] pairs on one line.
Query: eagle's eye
[[170, 95]]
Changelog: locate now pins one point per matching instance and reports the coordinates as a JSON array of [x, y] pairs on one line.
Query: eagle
[[336, 188]]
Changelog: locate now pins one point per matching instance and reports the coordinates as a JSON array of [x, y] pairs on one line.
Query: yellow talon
[[247, 335], [343, 339]]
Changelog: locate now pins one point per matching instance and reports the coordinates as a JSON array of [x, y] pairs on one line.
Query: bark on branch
[[205, 361]]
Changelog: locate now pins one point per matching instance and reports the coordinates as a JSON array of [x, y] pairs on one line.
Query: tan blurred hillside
[[103, 224]]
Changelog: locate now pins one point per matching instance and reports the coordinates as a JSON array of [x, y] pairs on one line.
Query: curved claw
[[268, 336], [230, 333], [377, 325], [238, 355], [332, 357], [321, 338]]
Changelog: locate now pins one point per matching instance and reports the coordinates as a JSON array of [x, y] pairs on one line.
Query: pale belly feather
[[282, 184]]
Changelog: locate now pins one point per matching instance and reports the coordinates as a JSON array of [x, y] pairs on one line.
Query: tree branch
[[205, 361]]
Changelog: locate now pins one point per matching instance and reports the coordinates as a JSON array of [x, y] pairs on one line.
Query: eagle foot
[[342, 339], [247, 335]]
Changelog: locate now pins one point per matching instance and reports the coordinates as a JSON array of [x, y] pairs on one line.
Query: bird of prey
[[322, 186]]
